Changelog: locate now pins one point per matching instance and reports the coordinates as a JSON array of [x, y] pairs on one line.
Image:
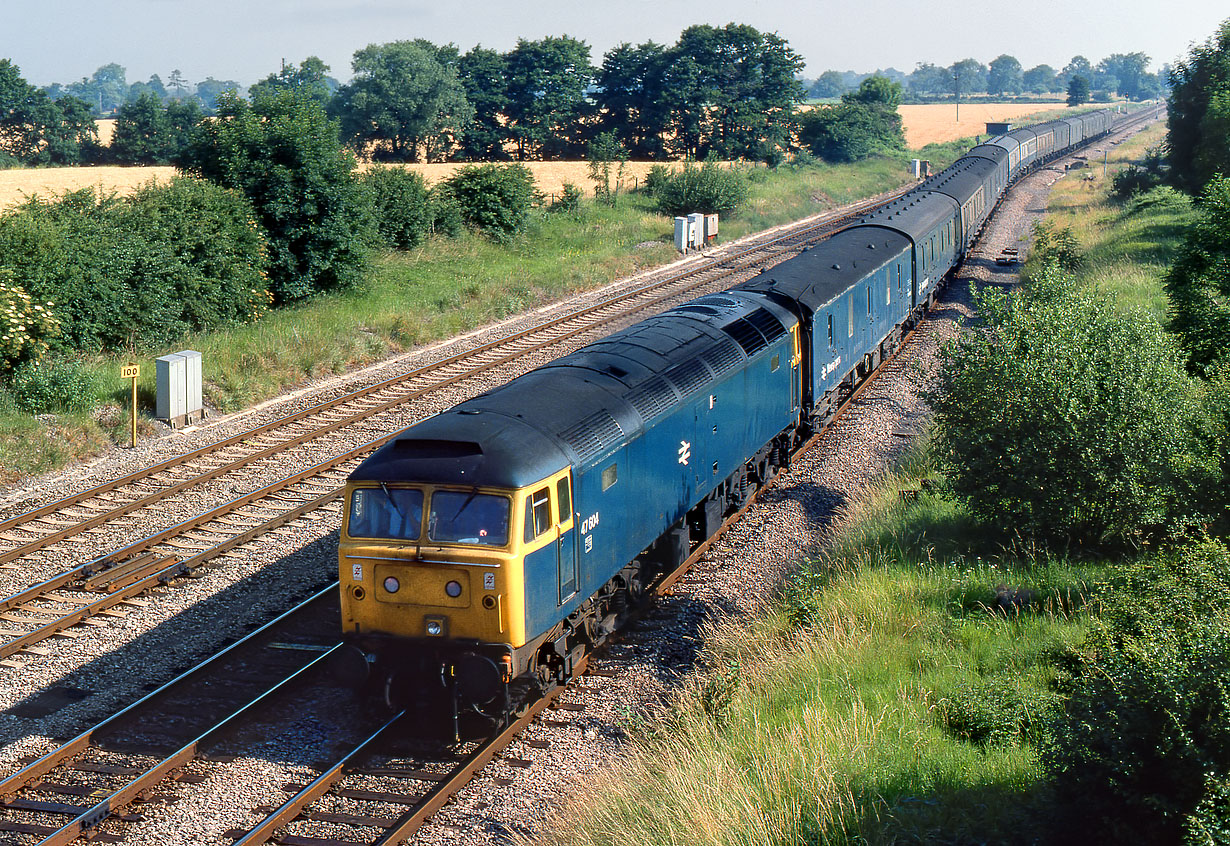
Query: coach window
[[537, 513], [850, 318], [830, 331], [898, 280], [868, 302]]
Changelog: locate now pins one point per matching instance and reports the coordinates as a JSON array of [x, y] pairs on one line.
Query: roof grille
[[723, 357], [768, 325], [747, 335], [588, 437], [688, 376], [653, 398]]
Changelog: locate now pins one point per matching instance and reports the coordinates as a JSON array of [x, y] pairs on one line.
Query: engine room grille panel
[[653, 398], [747, 335], [723, 357], [768, 325], [688, 376], [593, 433]]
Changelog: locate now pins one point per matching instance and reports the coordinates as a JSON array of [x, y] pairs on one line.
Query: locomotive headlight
[[434, 628], [392, 585], [453, 589]]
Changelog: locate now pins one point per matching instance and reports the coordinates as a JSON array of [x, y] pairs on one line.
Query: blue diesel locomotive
[[486, 549]]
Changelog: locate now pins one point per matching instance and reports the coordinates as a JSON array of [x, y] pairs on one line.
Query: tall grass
[[1129, 246], [885, 698]]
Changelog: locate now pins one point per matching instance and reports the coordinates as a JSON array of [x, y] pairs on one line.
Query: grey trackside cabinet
[[179, 388]]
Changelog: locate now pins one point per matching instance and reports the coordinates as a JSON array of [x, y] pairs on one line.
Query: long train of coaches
[[486, 549]]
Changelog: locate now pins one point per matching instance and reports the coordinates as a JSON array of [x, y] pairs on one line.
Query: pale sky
[[65, 40]]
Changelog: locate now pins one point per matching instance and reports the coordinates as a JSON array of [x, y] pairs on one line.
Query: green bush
[[1056, 247], [401, 205], [1141, 751], [1066, 418], [851, 132], [708, 189], [142, 270], [283, 153], [1132, 180], [995, 711], [445, 211], [492, 198], [1198, 284], [49, 388], [569, 201]]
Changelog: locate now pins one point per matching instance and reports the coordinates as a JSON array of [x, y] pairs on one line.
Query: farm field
[[935, 123], [924, 124]]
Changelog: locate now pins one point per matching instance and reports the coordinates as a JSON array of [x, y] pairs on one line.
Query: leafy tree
[[209, 89], [967, 77], [1198, 285], [147, 132], [283, 153], [72, 138], [311, 79], [1199, 113], [105, 91], [1040, 79], [1079, 66], [401, 205], [482, 75], [1078, 91], [402, 103], [153, 87], [547, 80], [850, 132], [1067, 418], [1005, 76], [36, 130], [177, 84], [830, 84], [929, 79], [631, 97], [733, 91], [1130, 72], [875, 91]]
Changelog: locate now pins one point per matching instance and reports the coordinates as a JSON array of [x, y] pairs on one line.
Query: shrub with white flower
[[25, 325]]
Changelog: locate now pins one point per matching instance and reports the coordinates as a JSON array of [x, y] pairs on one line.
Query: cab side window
[[564, 498], [537, 513]]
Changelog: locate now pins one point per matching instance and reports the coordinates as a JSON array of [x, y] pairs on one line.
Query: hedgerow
[[138, 271]]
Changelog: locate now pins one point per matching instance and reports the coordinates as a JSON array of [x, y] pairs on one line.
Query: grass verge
[[893, 694], [1128, 247]]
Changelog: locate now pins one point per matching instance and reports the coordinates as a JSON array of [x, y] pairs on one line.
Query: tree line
[[726, 90], [1122, 74]]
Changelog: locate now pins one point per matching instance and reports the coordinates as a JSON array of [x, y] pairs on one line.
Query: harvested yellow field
[[548, 176], [937, 122], [106, 129], [19, 183]]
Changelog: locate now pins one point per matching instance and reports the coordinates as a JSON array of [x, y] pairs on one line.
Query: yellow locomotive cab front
[[432, 562]]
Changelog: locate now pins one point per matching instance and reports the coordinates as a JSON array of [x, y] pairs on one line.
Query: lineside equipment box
[[178, 376]]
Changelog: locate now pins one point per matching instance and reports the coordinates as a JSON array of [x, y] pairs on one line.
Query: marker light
[[434, 628], [392, 585], [453, 589]]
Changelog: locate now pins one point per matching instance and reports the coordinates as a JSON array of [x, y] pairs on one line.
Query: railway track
[[116, 575]]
